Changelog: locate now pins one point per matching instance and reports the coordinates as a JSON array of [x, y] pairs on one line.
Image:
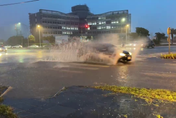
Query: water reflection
[[39, 54], [122, 75], [21, 59]]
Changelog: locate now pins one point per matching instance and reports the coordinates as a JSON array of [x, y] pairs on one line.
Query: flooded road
[[32, 78]]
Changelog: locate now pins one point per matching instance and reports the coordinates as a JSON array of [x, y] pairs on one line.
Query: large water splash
[[68, 52]]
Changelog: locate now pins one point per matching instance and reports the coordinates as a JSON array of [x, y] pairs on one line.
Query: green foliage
[[6, 112], [142, 31], [50, 39], [168, 56], [31, 38], [149, 95], [15, 40], [133, 35], [159, 36], [158, 116]]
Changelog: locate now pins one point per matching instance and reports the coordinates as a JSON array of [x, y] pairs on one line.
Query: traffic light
[[86, 26]]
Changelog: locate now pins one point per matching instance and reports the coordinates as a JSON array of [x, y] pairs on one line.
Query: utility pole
[[127, 32], [168, 39], [39, 35]]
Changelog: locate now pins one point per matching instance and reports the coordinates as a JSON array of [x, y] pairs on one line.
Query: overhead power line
[[18, 3]]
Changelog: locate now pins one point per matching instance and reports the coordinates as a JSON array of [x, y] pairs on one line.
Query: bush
[[168, 56]]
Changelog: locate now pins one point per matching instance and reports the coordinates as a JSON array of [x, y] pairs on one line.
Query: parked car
[[3, 49], [17, 46], [8, 46], [107, 49], [33, 46]]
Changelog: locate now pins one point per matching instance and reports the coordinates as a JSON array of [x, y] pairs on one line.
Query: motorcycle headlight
[[122, 54], [130, 53]]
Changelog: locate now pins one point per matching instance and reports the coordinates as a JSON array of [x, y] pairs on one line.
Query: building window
[[94, 23], [63, 27], [99, 27], [89, 23], [101, 17], [115, 22], [64, 32], [108, 27]]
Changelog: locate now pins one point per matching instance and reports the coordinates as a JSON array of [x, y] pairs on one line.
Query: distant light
[[38, 25], [123, 19], [19, 23], [86, 26], [127, 25]]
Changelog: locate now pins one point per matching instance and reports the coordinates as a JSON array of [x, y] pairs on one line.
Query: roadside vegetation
[[5, 111], [149, 95], [168, 56]]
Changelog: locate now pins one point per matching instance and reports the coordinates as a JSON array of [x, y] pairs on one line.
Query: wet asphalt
[[31, 76]]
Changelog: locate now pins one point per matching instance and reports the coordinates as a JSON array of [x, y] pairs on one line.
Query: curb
[[6, 91]]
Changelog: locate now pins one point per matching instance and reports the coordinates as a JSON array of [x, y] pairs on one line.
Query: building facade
[[73, 24]]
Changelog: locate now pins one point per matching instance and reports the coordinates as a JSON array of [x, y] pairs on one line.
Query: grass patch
[[5, 111], [149, 95], [168, 56]]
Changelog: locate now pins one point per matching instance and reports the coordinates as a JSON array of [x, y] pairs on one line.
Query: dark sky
[[154, 15]]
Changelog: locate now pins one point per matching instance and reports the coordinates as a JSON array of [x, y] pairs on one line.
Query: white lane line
[[71, 71]]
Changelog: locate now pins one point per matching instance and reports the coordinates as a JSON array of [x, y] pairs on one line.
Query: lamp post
[[38, 26], [27, 28], [127, 26]]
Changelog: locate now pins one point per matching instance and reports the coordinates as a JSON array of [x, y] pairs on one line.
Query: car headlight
[[130, 53], [122, 54]]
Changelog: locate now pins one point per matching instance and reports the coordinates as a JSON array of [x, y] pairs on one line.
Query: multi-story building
[[73, 24]]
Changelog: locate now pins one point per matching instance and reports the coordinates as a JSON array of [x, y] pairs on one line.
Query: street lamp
[[38, 26], [127, 26]]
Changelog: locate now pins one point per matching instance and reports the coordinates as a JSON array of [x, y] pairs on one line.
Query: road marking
[[105, 66], [71, 71]]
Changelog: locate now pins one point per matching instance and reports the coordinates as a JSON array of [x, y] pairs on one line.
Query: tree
[[159, 36], [2, 41], [173, 32], [15, 40], [31, 38], [133, 35], [142, 31], [50, 39]]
